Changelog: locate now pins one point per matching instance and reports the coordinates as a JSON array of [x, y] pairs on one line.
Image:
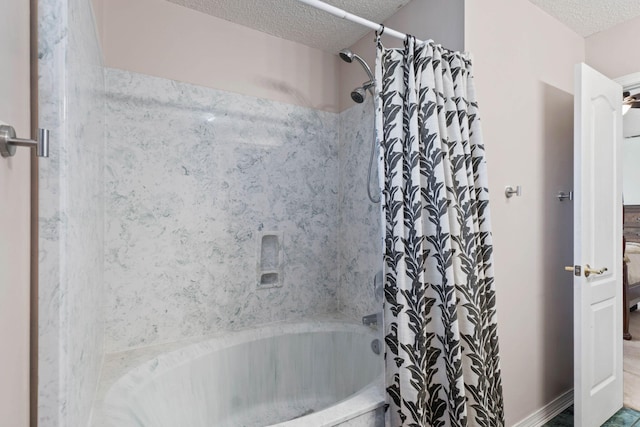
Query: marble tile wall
[[360, 236], [193, 175], [71, 320]]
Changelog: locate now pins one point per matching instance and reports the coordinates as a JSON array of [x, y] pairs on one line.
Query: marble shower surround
[[71, 319], [192, 175]]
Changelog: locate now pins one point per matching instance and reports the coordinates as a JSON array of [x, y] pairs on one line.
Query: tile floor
[[623, 418], [632, 364], [628, 416]]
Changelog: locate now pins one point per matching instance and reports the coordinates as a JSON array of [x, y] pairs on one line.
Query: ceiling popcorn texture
[[292, 20], [587, 17]]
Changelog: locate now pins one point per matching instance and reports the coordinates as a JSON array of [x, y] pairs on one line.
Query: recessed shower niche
[[270, 259]]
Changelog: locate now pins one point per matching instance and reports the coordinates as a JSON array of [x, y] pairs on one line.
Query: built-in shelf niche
[[270, 259]]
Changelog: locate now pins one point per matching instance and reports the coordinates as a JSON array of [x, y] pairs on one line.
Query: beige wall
[[276, 69], [524, 62], [159, 38], [15, 209], [614, 52], [442, 21]]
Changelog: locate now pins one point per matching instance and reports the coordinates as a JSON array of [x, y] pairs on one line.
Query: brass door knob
[[575, 269], [588, 271]]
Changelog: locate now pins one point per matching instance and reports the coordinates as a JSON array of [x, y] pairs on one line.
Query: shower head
[[347, 56], [358, 95]]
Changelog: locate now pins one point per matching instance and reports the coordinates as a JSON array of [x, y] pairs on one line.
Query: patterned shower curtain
[[441, 356]]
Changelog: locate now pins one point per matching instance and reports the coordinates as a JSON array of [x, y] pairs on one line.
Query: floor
[[632, 364], [630, 415], [623, 418]]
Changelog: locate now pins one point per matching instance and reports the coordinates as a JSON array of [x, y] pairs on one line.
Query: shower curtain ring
[[378, 33]]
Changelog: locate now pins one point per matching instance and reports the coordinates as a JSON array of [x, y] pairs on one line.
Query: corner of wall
[[97, 9], [612, 52], [203, 55], [440, 21]]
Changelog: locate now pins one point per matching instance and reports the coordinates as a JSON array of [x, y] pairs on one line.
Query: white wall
[[162, 39], [524, 61]]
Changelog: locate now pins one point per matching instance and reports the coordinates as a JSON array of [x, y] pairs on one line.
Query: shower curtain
[[441, 355]]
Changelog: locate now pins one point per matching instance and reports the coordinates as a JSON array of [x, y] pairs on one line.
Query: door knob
[[9, 142], [577, 270], [588, 271]]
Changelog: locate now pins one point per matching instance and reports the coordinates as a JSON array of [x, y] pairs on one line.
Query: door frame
[[34, 226], [628, 82]]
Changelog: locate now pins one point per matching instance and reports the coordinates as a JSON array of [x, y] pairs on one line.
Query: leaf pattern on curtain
[[441, 354]]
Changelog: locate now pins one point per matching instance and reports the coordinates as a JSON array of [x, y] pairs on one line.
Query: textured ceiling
[[292, 20], [587, 17]]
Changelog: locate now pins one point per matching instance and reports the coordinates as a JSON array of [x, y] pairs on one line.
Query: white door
[[597, 245], [14, 217]]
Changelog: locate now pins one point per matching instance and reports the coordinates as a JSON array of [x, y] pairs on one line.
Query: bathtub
[[290, 375]]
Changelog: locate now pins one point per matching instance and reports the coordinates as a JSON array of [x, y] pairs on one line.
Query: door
[[597, 282], [14, 217]]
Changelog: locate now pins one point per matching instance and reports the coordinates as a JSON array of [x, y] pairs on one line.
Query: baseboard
[[547, 412]]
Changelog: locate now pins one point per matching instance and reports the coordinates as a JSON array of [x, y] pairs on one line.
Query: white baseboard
[[547, 412]]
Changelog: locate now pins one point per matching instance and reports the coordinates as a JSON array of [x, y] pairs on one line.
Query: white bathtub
[[293, 375]]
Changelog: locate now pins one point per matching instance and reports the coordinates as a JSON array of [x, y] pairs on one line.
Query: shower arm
[[366, 68], [369, 86]]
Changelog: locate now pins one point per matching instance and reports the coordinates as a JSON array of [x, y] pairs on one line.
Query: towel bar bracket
[[509, 191], [565, 195]]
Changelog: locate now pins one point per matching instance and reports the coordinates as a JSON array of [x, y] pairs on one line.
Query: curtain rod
[[353, 18]]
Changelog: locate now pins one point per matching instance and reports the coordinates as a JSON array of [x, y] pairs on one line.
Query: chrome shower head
[[346, 55], [358, 95]]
